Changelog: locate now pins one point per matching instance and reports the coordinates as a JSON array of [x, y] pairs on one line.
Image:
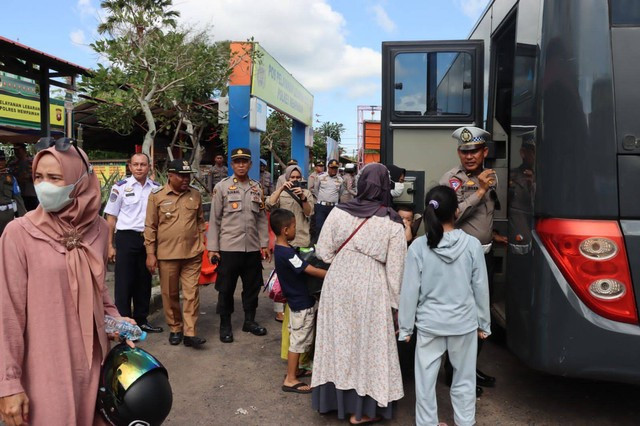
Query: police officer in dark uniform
[[126, 211], [238, 239], [11, 202], [475, 187]]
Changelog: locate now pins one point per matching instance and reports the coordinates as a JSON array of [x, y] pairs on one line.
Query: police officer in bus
[[475, 187]]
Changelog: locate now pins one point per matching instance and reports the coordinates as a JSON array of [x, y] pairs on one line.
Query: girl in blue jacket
[[445, 295]]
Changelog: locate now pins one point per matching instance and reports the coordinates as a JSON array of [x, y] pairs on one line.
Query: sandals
[[370, 420], [296, 388]]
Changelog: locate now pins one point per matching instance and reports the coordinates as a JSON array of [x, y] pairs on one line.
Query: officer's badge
[[115, 191], [454, 184], [234, 205], [470, 183], [113, 197], [466, 135], [240, 151], [233, 188], [129, 189]]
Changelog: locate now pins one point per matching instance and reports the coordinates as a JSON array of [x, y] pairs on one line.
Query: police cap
[[529, 140], [179, 166], [333, 163], [240, 153], [470, 138]]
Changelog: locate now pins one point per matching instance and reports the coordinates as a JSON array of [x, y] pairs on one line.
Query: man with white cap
[[475, 187]]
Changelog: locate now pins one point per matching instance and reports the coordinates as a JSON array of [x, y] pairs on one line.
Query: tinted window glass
[[524, 104], [625, 12], [432, 84]]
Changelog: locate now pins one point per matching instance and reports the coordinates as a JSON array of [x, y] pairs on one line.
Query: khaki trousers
[[173, 275]]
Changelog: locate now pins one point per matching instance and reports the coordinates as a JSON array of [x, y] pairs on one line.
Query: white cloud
[[307, 37], [85, 7], [472, 8], [78, 37], [382, 19]]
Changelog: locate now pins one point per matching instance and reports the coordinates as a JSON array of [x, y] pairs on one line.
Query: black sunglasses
[[62, 145]]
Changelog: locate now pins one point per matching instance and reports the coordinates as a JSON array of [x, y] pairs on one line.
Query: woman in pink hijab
[[53, 298]]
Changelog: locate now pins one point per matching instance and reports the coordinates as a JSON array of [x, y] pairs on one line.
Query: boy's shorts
[[301, 330]]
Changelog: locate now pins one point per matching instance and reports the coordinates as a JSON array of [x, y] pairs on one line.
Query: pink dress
[[41, 350]]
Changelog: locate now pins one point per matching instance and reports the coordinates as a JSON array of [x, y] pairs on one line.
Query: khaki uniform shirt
[[174, 225], [286, 201], [312, 182], [329, 188], [476, 214], [349, 187], [238, 221], [265, 181], [217, 174]]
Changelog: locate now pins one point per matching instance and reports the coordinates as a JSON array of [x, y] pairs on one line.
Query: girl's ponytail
[[441, 204]]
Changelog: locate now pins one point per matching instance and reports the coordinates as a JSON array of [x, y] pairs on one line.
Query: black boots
[[251, 326], [226, 335]]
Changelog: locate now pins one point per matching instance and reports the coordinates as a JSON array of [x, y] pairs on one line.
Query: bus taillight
[[592, 257]]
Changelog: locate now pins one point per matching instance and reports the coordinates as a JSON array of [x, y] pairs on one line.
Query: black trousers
[[321, 212], [133, 280], [247, 266]]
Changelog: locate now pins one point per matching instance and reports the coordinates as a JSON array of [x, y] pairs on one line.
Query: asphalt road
[[239, 384]]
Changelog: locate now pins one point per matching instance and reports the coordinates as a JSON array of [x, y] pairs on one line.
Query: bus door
[[429, 89]]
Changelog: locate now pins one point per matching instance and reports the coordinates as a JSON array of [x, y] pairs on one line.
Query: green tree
[[153, 68], [277, 139]]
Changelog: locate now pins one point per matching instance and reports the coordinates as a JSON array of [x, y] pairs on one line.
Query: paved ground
[[239, 384]]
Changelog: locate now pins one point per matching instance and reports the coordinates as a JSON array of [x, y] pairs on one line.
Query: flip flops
[[296, 388]]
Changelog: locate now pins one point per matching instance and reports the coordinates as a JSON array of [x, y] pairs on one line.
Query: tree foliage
[[167, 74]]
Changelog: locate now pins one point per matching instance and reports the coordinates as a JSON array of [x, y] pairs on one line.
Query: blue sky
[[331, 46]]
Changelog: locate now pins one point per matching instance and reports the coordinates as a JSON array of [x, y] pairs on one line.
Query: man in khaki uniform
[[219, 170], [475, 187], [238, 238], [317, 171], [174, 240]]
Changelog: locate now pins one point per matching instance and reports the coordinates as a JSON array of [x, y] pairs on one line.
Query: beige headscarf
[[290, 169], [76, 227]]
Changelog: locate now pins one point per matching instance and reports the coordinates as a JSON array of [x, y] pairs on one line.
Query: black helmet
[[134, 388]]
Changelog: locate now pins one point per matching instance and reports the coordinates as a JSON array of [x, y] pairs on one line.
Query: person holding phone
[[475, 188]]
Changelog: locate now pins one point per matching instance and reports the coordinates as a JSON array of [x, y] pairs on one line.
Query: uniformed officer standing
[[349, 178], [219, 170], [174, 239], [328, 187], [318, 170], [238, 238], [126, 211], [265, 178], [20, 167], [11, 203], [475, 187]]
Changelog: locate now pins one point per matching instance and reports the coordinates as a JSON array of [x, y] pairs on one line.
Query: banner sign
[[105, 170], [22, 111], [279, 89]]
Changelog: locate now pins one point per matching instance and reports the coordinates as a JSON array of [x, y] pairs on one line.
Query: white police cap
[[470, 137]]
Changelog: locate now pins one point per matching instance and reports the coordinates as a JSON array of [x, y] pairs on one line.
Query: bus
[[555, 83]]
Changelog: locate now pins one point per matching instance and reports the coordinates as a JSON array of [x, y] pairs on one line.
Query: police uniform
[[174, 233], [217, 174], [265, 179], [476, 212], [238, 230], [11, 202], [128, 203], [349, 178], [328, 190], [521, 196]]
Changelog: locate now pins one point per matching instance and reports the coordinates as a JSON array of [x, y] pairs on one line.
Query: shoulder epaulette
[[157, 189], [227, 178], [154, 182], [121, 182]]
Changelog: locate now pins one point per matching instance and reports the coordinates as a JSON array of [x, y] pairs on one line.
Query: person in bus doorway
[[475, 188], [445, 294]]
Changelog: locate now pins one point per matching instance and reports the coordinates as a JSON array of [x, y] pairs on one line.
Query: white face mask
[[398, 189], [54, 198]]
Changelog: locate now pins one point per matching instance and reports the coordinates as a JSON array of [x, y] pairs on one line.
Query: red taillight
[[592, 257]]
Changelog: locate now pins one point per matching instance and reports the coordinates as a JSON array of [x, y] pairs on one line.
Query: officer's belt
[[326, 203], [11, 206]]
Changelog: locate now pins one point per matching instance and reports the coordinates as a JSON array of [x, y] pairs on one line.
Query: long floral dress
[[356, 368]]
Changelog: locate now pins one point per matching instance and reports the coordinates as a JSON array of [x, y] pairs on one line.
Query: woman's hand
[[298, 192], [116, 336], [482, 335], [14, 409], [407, 339]]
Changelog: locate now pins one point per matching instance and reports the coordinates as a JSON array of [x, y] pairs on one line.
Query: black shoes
[[175, 338], [254, 328], [150, 329], [484, 380], [193, 341], [226, 335]]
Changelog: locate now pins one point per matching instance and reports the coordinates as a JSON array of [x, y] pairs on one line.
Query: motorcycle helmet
[[134, 388]]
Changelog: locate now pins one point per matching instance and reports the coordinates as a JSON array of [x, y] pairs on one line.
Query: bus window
[[432, 84], [625, 13]]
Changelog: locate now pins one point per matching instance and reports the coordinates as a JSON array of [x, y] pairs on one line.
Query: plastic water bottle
[[127, 330]]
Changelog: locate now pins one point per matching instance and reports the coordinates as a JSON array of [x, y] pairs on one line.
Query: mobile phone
[[295, 184], [303, 184]]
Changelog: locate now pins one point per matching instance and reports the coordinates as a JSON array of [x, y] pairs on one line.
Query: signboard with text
[[25, 112], [274, 85], [105, 170]]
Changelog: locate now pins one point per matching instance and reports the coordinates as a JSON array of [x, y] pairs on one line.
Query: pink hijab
[[76, 227]]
